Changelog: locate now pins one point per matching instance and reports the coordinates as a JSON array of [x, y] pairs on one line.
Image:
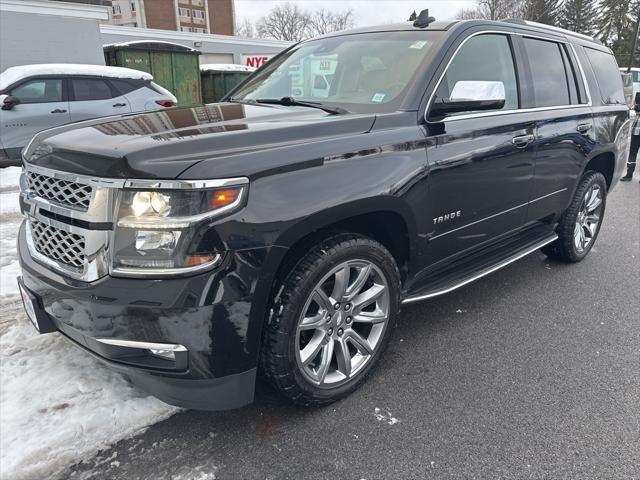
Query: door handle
[[119, 104], [523, 140], [584, 127], [58, 110]]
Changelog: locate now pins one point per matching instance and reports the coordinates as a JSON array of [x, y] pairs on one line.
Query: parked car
[[37, 97], [195, 248], [635, 78], [627, 83]]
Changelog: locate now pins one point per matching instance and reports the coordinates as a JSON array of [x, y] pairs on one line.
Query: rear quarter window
[[607, 75], [125, 86]]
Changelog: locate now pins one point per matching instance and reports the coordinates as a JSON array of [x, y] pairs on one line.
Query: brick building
[[196, 16]]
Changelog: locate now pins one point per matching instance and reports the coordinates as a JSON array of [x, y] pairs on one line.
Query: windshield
[[362, 73]]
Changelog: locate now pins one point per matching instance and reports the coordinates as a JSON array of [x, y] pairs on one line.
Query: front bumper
[[208, 314]]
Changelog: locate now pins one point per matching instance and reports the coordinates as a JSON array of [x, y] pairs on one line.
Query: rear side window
[[125, 86], [483, 58], [90, 89], [550, 82], [607, 75], [39, 91]]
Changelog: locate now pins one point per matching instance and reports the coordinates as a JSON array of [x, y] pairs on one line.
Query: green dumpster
[[218, 79], [173, 66]]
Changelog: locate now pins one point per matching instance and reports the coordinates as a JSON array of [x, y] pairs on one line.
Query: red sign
[[256, 61]]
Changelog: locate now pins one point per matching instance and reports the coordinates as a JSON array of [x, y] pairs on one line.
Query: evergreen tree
[[617, 27], [579, 16], [542, 11]]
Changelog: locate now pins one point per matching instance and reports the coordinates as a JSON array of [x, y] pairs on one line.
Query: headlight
[[162, 231]]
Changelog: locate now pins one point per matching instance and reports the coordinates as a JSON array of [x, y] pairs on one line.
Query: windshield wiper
[[292, 102]]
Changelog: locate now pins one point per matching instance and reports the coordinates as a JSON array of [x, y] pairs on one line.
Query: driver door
[[481, 163]]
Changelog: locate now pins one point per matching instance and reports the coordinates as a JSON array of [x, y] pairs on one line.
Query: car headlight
[[162, 231]]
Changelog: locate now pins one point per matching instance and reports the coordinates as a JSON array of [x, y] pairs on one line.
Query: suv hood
[[164, 144]]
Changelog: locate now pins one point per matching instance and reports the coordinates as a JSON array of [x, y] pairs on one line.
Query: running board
[[474, 275]]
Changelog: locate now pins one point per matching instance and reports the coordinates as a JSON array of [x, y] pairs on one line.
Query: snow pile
[[10, 219], [226, 67], [13, 74], [58, 405]]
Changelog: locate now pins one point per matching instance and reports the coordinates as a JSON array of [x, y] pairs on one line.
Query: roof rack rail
[[520, 21]]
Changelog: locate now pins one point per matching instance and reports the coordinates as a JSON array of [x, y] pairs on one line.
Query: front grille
[[63, 192], [63, 247]]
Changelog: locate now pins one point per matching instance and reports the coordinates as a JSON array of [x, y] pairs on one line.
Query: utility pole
[[633, 45]]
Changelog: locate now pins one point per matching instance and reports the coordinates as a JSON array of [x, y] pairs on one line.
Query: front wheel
[[580, 223], [332, 319]]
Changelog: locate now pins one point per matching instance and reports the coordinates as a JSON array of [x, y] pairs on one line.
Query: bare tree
[[245, 29], [325, 21], [284, 22], [492, 10]]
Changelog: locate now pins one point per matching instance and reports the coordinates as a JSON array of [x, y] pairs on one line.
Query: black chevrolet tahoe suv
[[279, 231]]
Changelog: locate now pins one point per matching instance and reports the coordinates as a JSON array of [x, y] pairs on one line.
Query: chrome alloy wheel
[[588, 219], [342, 323]]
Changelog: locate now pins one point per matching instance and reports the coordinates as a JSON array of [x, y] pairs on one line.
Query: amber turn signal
[[199, 259], [222, 198]]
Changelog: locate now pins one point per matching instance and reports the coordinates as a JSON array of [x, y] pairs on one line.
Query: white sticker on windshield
[[418, 45], [378, 98]]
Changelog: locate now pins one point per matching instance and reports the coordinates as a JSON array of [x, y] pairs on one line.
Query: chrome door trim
[[506, 112], [497, 214]]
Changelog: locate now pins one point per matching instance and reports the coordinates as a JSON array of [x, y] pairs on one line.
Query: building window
[[116, 9], [199, 30], [184, 12], [198, 13], [199, 3], [133, 6]]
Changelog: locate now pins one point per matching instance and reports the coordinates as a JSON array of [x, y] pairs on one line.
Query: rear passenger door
[[95, 97], [558, 99]]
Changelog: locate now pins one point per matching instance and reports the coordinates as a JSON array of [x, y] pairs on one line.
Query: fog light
[[166, 354]]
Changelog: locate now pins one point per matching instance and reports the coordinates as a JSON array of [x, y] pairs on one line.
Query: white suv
[[37, 97]]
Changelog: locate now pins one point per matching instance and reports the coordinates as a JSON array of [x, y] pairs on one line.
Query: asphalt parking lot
[[533, 372]]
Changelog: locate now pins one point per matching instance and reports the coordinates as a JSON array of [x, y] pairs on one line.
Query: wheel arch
[[386, 219], [604, 163]]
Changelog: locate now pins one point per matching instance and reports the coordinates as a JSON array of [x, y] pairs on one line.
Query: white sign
[[256, 60]]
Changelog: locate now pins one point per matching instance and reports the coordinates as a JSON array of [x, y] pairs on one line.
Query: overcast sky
[[366, 12]]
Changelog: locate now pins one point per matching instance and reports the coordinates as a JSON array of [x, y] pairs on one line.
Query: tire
[[580, 223], [305, 327]]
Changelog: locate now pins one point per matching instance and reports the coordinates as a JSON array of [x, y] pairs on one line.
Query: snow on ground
[[58, 405], [10, 219]]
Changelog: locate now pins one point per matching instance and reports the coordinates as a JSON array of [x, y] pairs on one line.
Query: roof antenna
[[423, 19]]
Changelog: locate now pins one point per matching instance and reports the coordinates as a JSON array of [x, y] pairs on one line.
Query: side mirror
[[637, 102], [471, 96], [9, 102]]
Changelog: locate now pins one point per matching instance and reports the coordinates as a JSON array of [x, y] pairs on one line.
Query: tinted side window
[[483, 58], [550, 85], [39, 91], [125, 86], [607, 75], [90, 89]]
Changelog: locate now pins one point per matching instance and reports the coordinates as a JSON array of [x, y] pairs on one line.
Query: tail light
[[166, 103]]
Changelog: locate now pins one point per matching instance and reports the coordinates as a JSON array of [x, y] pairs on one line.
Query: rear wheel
[[332, 319], [580, 224]]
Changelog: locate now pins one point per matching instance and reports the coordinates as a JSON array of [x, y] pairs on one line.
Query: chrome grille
[[63, 247], [60, 191]]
